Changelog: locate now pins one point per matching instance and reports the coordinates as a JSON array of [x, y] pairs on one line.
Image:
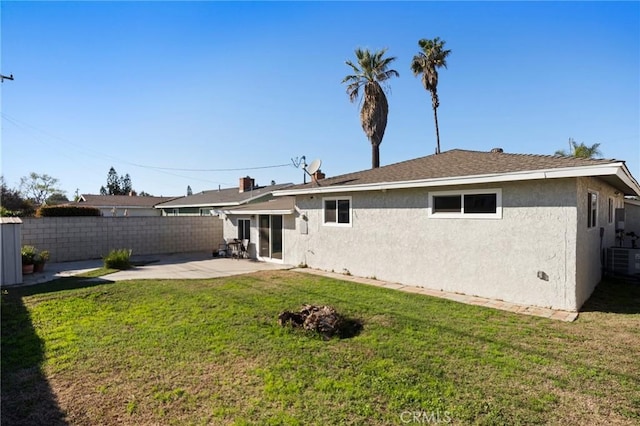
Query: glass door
[[270, 230]]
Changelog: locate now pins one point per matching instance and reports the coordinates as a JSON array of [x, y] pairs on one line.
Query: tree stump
[[324, 320]]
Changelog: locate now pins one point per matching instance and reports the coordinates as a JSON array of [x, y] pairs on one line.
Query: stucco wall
[[230, 231], [80, 238], [632, 219], [589, 247], [526, 257]]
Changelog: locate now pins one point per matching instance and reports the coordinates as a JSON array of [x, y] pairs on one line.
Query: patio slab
[[196, 265]]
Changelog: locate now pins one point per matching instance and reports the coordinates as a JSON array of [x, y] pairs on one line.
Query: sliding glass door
[[270, 230]]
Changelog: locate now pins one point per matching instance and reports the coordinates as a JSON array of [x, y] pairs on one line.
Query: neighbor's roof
[[280, 205], [122, 201], [460, 167], [222, 197]]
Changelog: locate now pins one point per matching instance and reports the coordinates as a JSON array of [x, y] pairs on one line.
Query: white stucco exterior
[[538, 251], [525, 257]]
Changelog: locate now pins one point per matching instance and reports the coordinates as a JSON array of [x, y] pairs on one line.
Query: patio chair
[[244, 249]]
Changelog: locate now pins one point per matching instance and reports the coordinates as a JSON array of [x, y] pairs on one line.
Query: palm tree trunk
[[435, 117], [375, 155]]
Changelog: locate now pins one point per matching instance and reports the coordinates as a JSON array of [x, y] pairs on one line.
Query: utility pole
[[8, 77]]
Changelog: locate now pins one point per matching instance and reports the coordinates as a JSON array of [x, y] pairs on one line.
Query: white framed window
[[336, 211], [592, 209], [244, 229], [205, 212], [468, 204]]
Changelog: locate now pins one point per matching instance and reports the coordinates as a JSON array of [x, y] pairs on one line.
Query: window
[[611, 210], [592, 209], [337, 211], [477, 203], [205, 212], [244, 229]]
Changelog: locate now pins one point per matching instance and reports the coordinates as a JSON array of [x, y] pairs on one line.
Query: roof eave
[[618, 169], [258, 211]]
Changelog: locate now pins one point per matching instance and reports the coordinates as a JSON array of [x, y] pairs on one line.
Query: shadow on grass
[[27, 398], [60, 284], [615, 295], [349, 328]]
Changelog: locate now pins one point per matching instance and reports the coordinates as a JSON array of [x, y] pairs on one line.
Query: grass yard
[[207, 352]]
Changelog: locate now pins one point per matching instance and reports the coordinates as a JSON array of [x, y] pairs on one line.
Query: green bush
[[118, 259], [57, 211], [28, 254]]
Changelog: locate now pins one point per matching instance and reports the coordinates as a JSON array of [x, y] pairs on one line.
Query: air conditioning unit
[[624, 261]]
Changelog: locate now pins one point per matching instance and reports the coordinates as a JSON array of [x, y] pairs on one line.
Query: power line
[[24, 125]]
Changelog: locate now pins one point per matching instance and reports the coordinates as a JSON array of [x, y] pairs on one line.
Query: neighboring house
[[122, 205], [631, 220], [526, 229], [210, 202]]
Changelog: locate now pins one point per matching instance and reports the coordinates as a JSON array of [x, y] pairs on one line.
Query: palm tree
[[580, 150], [427, 62], [371, 70]]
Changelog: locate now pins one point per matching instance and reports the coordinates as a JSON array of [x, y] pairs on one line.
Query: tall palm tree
[[580, 150], [371, 70], [427, 62]]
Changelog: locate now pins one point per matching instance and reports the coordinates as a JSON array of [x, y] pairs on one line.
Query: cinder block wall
[[82, 238]]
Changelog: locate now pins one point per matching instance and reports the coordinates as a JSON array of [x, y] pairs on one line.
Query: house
[[209, 202], [122, 205], [526, 229]]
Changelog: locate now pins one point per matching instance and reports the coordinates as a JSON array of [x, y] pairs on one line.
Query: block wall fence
[[83, 238]]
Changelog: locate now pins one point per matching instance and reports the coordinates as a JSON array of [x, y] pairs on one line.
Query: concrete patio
[[201, 265]]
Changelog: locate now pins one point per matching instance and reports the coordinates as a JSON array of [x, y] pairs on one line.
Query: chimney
[[246, 184], [497, 150], [318, 175]]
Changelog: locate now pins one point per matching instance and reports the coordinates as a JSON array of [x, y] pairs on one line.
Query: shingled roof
[[122, 201], [458, 166], [223, 197]]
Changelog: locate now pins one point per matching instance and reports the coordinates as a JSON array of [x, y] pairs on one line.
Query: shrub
[[28, 254], [57, 211], [118, 259]]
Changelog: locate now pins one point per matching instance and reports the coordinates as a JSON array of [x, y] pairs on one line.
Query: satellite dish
[[314, 166]]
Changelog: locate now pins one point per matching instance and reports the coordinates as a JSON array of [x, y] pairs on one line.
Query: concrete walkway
[[173, 266], [202, 265], [462, 298]]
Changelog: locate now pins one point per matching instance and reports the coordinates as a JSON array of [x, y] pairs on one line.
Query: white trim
[[596, 226], [611, 210], [264, 258], [183, 206], [336, 223], [283, 212], [462, 214], [610, 169]]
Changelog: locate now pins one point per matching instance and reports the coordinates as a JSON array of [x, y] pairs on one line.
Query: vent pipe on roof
[[497, 150]]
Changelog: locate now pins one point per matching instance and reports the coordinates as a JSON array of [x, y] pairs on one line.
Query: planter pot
[[27, 269], [38, 267]]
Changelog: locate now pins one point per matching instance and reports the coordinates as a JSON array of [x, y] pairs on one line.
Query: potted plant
[[39, 261], [28, 259]]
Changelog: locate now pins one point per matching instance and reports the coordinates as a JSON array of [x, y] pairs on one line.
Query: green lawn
[[211, 352]]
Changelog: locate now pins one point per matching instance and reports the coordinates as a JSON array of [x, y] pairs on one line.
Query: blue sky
[[150, 87]]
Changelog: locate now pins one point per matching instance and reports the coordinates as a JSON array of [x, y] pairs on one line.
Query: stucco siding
[[589, 243], [632, 219], [527, 256]]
